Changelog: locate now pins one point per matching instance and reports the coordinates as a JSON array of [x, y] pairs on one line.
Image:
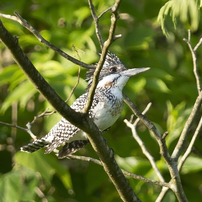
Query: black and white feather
[[106, 108], [111, 61]]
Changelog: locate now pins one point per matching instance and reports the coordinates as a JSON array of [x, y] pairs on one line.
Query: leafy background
[[169, 85]]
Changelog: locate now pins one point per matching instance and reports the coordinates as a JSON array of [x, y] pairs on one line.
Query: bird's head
[[113, 73]]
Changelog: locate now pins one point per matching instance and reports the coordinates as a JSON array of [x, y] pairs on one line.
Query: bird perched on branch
[[106, 108]]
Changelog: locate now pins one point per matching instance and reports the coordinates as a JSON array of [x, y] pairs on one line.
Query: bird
[[106, 108]]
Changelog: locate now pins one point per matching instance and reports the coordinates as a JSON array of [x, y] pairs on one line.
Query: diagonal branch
[[142, 145], [94, 135], [126, 173], [25, 24], [189, 149], [96, 22], [181, 142], [176, 184], [105, 47], [194, 58]]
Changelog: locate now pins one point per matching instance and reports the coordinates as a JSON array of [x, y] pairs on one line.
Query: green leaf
[[157, 85], [6, 74], [20, 94], [10, 188], [176, 119], [92, 173], [81, 14], [192, 164], [139, 38], [47, 167], [32, 161], [132, 164], [185, 10]]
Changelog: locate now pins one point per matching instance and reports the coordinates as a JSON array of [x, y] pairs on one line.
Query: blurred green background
[[170, 86]]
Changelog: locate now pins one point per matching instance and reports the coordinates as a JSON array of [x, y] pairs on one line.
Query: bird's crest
[[111, 61]]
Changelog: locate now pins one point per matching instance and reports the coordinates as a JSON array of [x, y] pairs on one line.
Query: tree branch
[[25, 24], [94, 135], [21, 128], [189, 149], [175, 183], [181, 142], [194, 58], [96, 22], [142, 145], [105, 47], [126, 173]]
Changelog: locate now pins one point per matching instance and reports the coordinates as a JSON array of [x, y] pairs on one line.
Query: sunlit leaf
[[186, 10], [157, 85], [47, 167], [176, 119], [192, 164], [10, 188], [20, 94]]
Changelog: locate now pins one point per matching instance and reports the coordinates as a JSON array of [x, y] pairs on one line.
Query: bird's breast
[[107, 112]]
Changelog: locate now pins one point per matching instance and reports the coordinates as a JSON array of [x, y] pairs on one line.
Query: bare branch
[[144, 112], [126, 173], [176, 184], [189, 149], [181, 142], [105, 47], [25, 24], [19, 127], [78, 77], [142, 145], [194, 58], [45, 113], [101, 14], [96, 21], [164, 190]]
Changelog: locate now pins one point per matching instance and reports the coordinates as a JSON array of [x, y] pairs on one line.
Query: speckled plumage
[[106, 108]]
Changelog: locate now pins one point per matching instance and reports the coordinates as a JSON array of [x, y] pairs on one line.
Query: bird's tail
[[34, 146], [72, 147]]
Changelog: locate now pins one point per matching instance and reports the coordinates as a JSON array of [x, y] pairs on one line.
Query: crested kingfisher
[[106, 108]]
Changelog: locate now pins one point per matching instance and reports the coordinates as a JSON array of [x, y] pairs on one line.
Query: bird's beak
[[134, 71]]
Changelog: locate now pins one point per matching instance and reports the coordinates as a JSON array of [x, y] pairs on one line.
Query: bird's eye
[[113, 69]]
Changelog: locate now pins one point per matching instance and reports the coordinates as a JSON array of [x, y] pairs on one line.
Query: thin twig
[[19, 127], [101, 14], [144, 112], [126, 173], [144, 150], [142, 145], [45, 113], [96, 22], [194, 58], [78, 77], [182, 140], [164, 190]]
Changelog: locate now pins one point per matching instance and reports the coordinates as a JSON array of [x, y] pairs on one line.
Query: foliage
[[169, 85], [186, 11]]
